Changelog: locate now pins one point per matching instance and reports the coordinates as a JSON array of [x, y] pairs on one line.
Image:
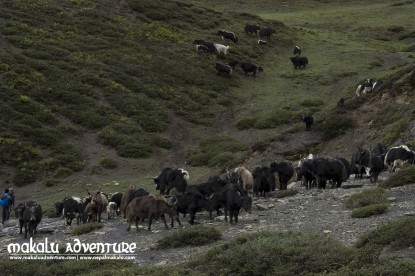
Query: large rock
[[264, 206]]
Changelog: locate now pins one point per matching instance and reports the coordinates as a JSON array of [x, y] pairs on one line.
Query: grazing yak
[[214, 185], [267, 32], [91, 212], [360, 161], [233, 63], [19, 210], [73, 207], [398, 164], [234, 201], [304, 174], [346, 165], [223, 69], [228, 35], [192, 201], [101, 201], [262, 42], [151, 207], [250, 68], [129, 195], [297, 51], [308, 120], [375, 167], [221, 49], [264, 180], [285, 171], [202, 49], [111, 210], [376, 86], [246, 177], [402, 153], [299, 62], [29, 215], [171, 178], [340, 103], [325, 169], [251, 29], [214, 202], [210, 47], [117, 198], [368, 86]]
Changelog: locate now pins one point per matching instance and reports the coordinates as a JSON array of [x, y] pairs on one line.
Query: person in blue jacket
[[5, 202]]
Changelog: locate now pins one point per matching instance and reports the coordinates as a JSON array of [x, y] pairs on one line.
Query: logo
[[75, 250]]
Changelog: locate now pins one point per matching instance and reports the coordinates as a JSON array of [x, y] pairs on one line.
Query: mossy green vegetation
[[274, 253], [403, 177], [265, 253], [368, 203], [191, 236], [370, 210], [118, 71], [220, 151], [86, 228], [367, 197]]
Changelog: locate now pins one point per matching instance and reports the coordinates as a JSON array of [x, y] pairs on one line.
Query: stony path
[[317, 211]]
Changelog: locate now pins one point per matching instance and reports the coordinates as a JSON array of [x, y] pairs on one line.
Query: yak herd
[[233, 190], [208, 47], [230, 192]]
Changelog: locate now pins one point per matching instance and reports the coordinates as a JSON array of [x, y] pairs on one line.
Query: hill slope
[[107, 93]]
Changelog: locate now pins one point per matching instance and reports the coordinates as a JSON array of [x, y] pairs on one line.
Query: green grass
[[191, 236], [396, 130], [403, 177], [218, 151], [86, 228], [286, 193], [274, 253], [370, 210], [366, 198], [266, 253], [368, 203], [83, 63]]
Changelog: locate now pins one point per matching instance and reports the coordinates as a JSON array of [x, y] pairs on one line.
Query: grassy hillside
[[109, 92], [120, 71]]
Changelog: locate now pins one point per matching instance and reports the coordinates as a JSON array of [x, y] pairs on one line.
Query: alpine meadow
[[113, 96]]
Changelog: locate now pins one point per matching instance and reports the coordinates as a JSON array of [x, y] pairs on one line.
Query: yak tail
[[359, 91]]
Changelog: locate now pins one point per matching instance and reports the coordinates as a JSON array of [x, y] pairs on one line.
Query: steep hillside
[[106, 93], [87, 84]]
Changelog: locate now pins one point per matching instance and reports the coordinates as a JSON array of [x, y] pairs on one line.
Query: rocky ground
[[317, 211]]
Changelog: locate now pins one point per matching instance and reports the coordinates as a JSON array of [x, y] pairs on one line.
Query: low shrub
[[260, 147], [311, 102], [50, 182], [286, 193], [370, 210], [192, 236], [395, 29], [86, 228], [336, 125], [274, 253], [245, 123], [108, 163], [366, 198], [211, 151], [395, 131], [51, 213], [397, 234], [162, 141], [25, 174], [14, 152], [403, 177], [354, 103]]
